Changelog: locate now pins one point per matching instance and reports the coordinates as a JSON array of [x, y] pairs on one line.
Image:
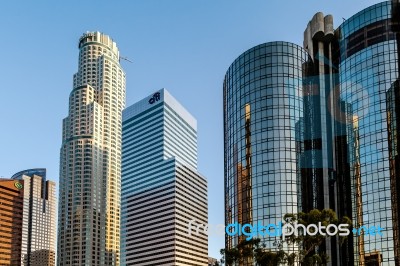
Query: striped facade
[[161, 188], [11, 213]]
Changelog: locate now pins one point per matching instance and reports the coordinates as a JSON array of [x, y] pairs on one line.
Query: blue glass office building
[[161, 188], [316, 128], [368, 64], [263, 115]]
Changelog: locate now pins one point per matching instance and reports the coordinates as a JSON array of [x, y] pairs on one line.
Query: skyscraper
[[325, 179], [263, 114], [90, 164], [38, 241], [355, 69], [162, 190], [368, 72], [345, 133]]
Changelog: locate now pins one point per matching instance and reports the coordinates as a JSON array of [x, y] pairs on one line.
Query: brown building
[[11, 209]]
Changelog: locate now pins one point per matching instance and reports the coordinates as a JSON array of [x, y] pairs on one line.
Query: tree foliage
[[309, 247], [252, 250]]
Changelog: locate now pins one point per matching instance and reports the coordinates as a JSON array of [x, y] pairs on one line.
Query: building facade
[[90, 157], [354, 70], [344, 134], [368, 74], [325, 179], [38, 243], [11, 213], [162, 190], [263, 115]]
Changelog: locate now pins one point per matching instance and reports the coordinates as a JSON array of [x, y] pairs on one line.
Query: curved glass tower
[[317, 128], [90, 164], [368, 74], [30, 172], [263, 119]]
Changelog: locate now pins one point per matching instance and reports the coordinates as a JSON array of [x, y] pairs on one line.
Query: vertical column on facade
[[323, 103], [393, 119], [393, 105]]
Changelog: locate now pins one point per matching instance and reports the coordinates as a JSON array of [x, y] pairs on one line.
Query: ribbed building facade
[[325, 179], [354, 72], [162, 190], [90, 164], [11, 213]]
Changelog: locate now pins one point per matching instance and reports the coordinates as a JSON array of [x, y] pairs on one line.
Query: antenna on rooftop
[[125, 58]]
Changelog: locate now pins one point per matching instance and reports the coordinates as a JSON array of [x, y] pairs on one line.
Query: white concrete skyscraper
[[90, 164]]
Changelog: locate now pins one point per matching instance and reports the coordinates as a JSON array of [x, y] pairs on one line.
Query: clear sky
[[182, 45]]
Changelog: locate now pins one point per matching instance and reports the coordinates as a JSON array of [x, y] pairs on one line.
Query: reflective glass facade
[[368, 71], [30, 172], [263, 118], [329, 142], [325, 179]]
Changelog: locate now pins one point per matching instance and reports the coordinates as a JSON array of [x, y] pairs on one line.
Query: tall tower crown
[[98, 37]]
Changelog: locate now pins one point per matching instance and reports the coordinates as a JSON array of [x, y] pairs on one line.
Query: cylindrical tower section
[[263, 121], [368, 75]]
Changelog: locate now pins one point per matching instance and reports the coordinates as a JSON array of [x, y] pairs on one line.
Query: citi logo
[[155, 98]]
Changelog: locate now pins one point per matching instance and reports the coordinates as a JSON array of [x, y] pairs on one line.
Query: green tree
[[309, 247], [255, 251]]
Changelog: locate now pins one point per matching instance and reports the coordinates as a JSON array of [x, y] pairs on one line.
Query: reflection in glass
[[263, 104]]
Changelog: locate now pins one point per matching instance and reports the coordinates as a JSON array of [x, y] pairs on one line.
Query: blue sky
[[182, 45]]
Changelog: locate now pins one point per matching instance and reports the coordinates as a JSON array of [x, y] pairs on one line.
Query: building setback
[[90, 163], [162, 190], [39, 218]]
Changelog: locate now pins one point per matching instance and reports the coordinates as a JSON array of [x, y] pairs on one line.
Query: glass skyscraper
[[263, 118], [316, 128], [355, 69], [90, 164], [325, 171], [368, 74], [162, 190]]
